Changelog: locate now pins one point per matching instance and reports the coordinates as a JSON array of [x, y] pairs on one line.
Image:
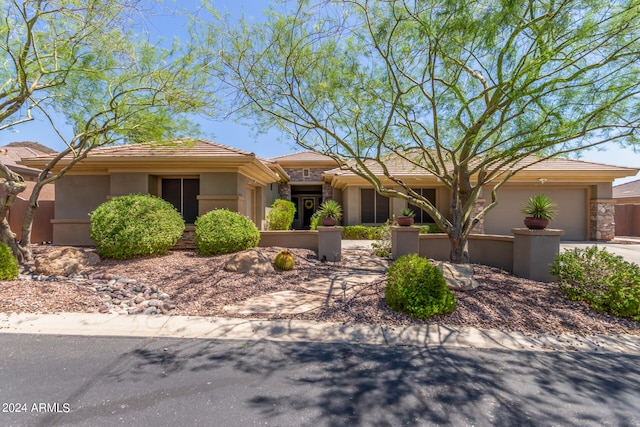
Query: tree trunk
[[459, 253], [27, 224], [12, 186]]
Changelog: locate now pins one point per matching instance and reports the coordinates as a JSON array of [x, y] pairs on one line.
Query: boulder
[[251, 261], [458, 276], [65, 261]]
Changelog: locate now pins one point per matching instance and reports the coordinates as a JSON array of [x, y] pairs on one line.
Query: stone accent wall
[[602, 224], [327, 191], [284, 190], [297, 174], [479, 227]]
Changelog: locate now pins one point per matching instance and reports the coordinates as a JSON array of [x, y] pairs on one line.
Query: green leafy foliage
[[540, 206], [604, 280], [382, 247], [330, 209], [8, 263], [221, 232], [284, 260], [315, 221], [280, 217], [417, 287], [135, 225], [361, 232], [430, 228]]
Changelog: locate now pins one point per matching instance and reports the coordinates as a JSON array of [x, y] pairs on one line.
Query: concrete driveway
[[630, 252]]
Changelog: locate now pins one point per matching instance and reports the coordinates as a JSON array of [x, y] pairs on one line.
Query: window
[[374, 208], [306, 173], [421, 216], [183, 194]]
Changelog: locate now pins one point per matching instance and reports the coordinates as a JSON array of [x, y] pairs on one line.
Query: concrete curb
[[429, 336]]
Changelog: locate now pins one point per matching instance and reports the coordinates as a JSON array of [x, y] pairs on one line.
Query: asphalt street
[[48, 380]]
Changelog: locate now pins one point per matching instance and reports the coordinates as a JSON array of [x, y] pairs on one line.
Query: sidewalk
[[428, 336]]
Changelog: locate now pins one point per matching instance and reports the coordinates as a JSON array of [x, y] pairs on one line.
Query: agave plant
[[540, 206]]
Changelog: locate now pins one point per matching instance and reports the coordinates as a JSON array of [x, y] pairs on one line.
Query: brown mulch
[[200, 287]]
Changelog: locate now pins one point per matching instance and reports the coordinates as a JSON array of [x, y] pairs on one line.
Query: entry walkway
[[356, 269]]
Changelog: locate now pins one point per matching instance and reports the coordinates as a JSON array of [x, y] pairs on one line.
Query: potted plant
[[540, 209], [406, 217], [331, 212]]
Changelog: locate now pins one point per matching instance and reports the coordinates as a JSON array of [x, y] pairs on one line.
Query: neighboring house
[[196, 176], [207, 175], [41, 229], [627, 206]]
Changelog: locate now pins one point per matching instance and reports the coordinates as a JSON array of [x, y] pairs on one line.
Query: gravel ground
[[200, 287]]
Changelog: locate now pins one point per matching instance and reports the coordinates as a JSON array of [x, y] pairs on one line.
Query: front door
[[308, 208]]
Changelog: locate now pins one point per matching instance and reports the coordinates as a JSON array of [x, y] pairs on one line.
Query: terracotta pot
[[405, 221], [329, 222], [533, 223]]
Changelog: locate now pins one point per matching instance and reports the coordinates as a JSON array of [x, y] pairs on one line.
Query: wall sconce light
[[542, 180]]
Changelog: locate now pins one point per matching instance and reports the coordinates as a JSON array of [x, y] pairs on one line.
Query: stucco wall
[[77, 195], [129, 183]]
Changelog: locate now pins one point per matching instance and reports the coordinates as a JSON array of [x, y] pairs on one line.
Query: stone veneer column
[[602, 224], [284, 190], [327, 192], [479, 227]]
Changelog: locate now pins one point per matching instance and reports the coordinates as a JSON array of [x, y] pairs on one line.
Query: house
[[627, 208], [10, 155], [198, 176]]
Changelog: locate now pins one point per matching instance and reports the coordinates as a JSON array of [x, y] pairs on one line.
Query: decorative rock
[[65, 261], [457, 276], [150, 310], [251, 262]]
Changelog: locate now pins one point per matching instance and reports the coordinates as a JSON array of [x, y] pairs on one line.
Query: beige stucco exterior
[[239, 181]]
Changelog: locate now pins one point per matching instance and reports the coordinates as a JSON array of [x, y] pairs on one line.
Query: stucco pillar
[[404, 241], [330, 243], [534, 251], [602, 225]]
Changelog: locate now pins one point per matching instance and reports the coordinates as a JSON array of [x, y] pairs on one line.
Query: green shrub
[[284, 260], [417, 287], [605, 281], [361, 232], [315, 221], [222, 232], [430, 228], [135, 225], [8, 263], [281, 215]]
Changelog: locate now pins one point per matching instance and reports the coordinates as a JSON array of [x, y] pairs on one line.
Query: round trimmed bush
[[8, 263], [281, 215], [222, 232], [417, 287], [135, 225]]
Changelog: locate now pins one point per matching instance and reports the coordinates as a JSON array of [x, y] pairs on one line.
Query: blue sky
[[243, 137]]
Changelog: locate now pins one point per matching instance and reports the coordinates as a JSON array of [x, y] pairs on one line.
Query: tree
[[470, 92], [83, 61]]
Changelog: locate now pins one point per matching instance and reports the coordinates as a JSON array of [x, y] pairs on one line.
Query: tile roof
[[180, 147], [629, 189], [303, 156], [403, 167]]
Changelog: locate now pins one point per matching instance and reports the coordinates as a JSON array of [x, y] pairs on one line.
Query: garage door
[[571, 217]]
